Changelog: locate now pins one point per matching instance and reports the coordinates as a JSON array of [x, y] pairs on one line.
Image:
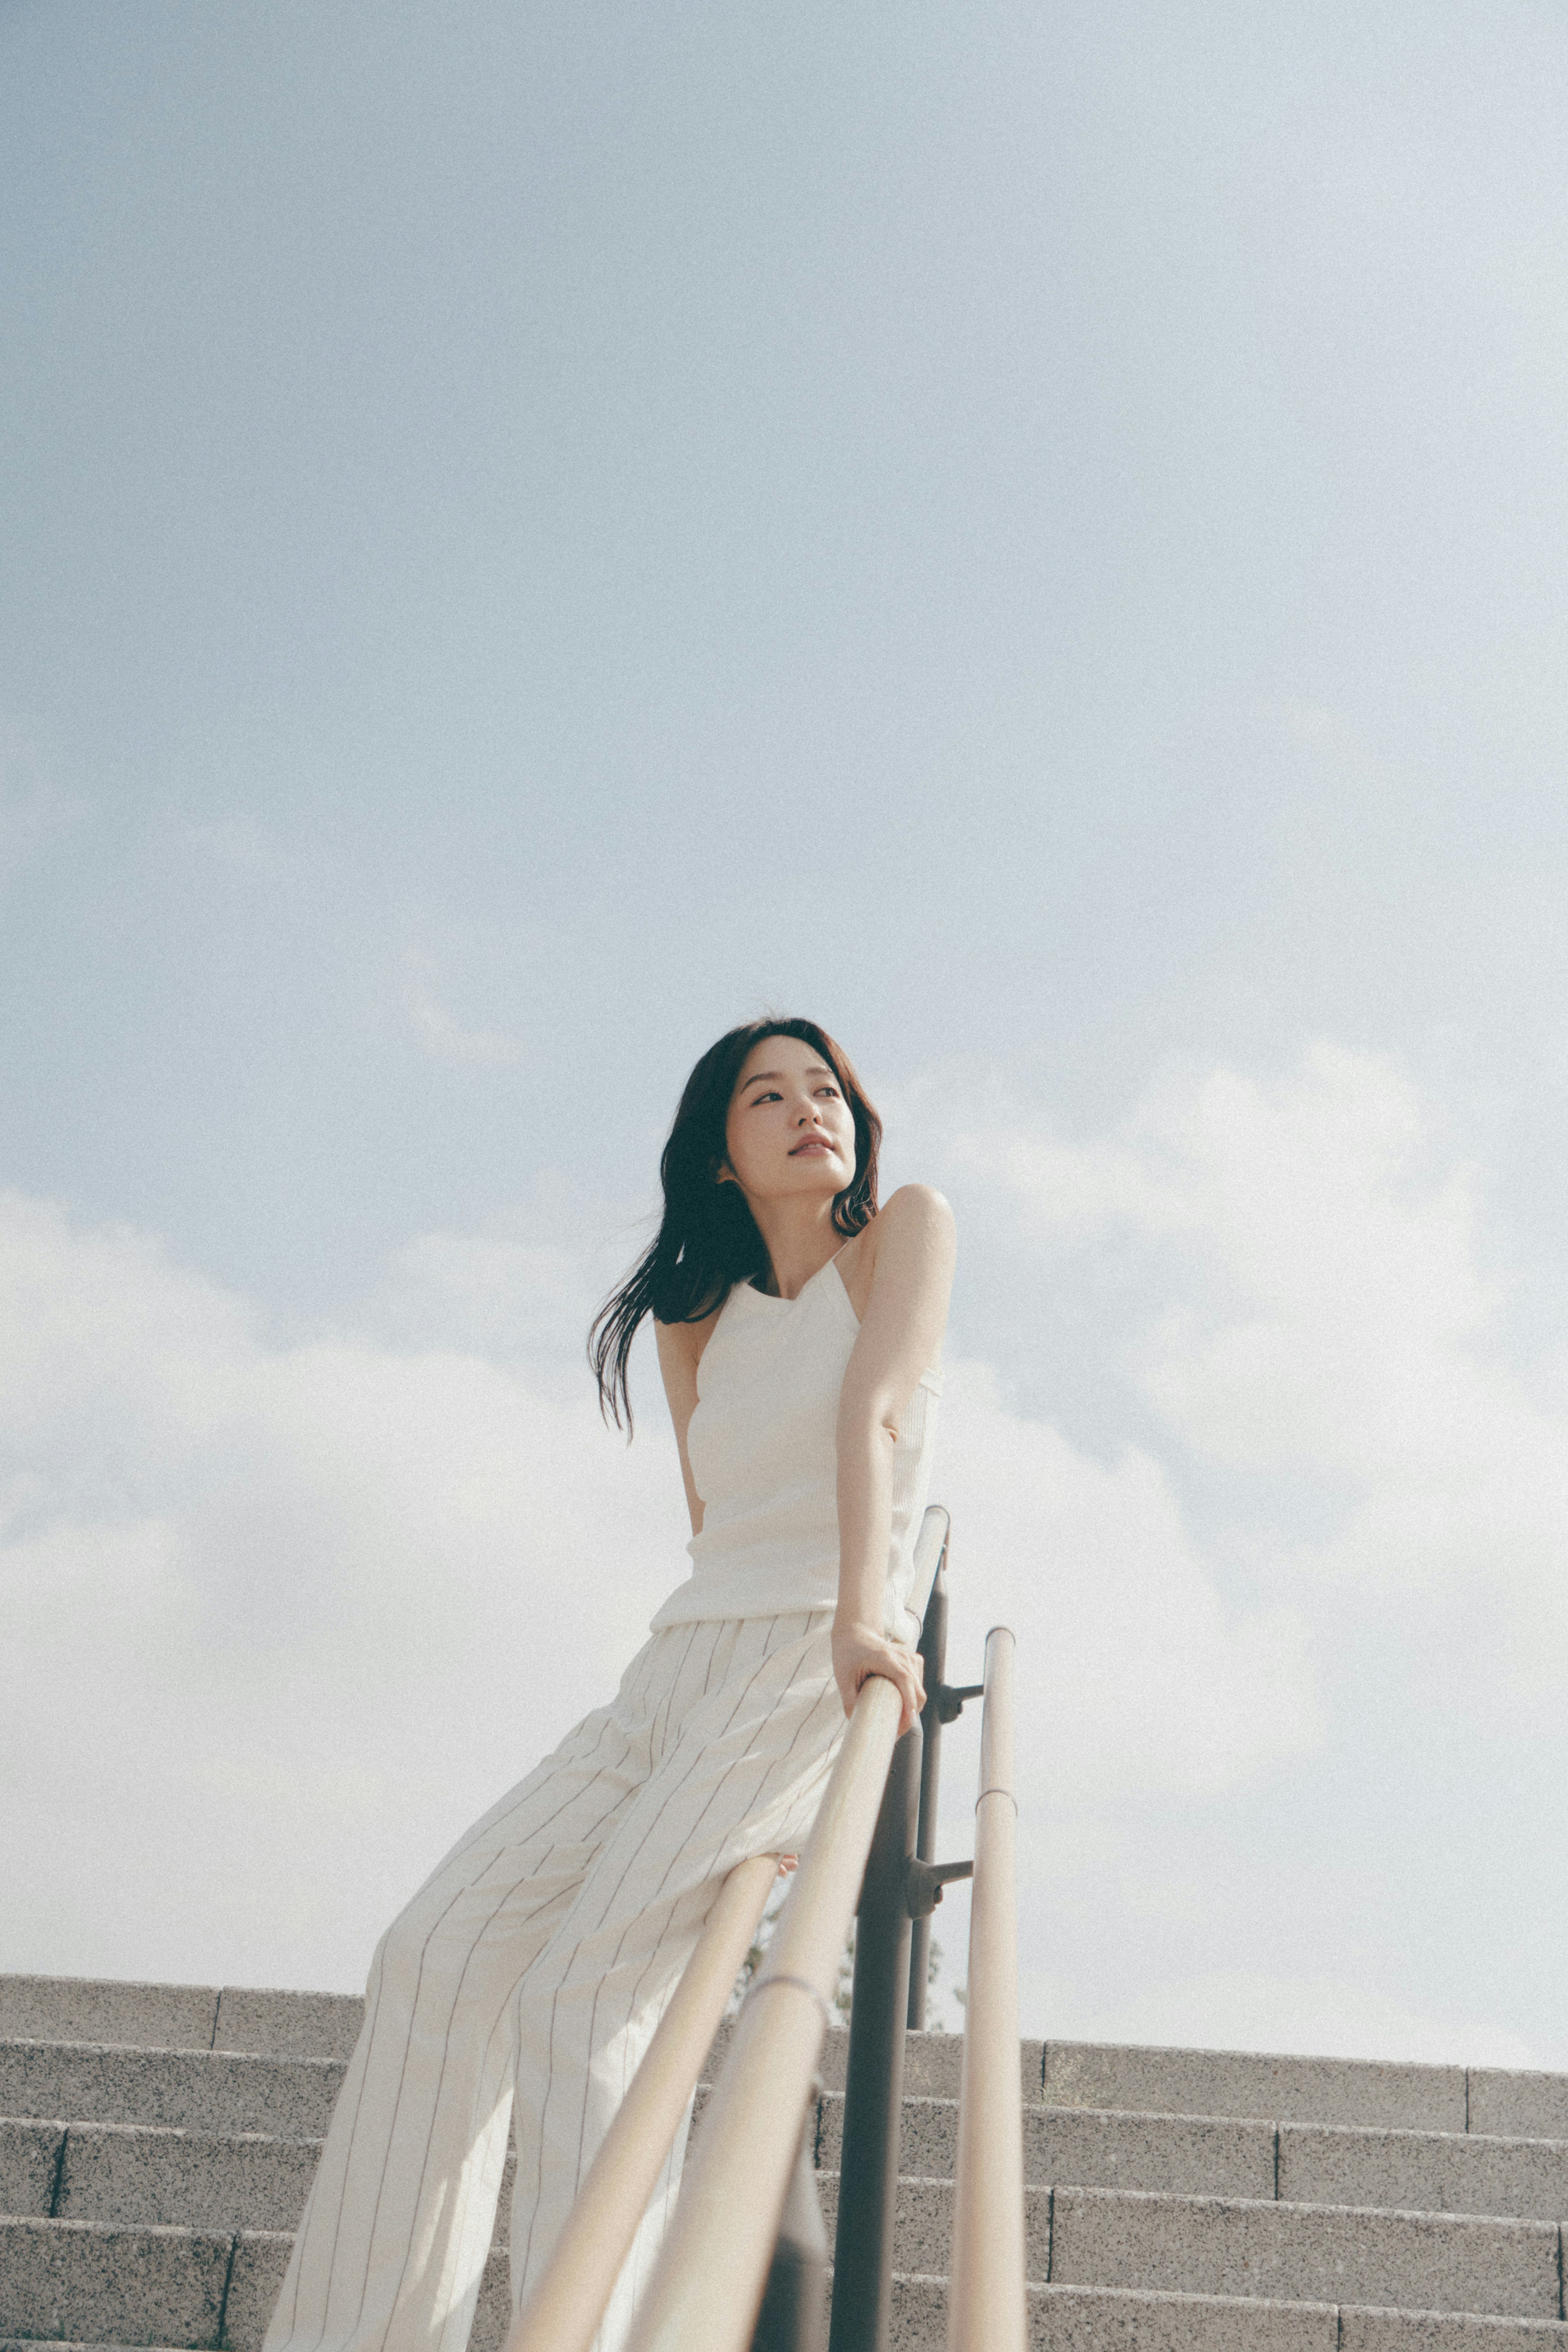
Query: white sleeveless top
[[763, 1446]]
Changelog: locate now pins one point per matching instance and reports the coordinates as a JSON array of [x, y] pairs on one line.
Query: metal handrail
[[707, 2284], [901, 1888], [986, 2300], [567, 2302]]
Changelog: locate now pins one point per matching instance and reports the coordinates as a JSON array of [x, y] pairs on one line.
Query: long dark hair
[[707, 1239]]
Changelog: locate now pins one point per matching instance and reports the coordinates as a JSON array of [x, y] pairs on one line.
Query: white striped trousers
[[524, 1980]]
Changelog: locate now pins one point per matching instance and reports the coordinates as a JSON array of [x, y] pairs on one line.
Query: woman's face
[[789, 1130]]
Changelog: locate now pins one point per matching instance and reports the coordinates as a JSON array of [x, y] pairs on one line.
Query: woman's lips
[[814, 1144]]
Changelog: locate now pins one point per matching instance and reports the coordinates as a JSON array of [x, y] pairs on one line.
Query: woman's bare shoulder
[[918, 1204], [916, 1224], [916, 1217]]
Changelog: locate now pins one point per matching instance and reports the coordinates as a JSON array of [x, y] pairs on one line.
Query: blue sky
[[1036, 537]]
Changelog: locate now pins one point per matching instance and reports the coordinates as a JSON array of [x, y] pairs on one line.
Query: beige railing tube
[[986, 2304], [564, 2309], [706, 2288]]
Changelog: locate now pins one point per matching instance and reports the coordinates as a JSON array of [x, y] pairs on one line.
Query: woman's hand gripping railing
[[563, 2311], [707, 2288], [986, 2305]]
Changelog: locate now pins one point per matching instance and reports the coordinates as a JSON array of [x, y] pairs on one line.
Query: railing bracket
[[925, 1881], [950, 1697]]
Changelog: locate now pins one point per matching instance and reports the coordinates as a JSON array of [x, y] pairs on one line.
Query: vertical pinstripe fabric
[[524, 1980]]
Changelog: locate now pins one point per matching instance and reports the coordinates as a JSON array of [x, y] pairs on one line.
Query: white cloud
[[289, 1615], [1316, 1307], [1139, 1676], [310, 1606], [286, 1617]]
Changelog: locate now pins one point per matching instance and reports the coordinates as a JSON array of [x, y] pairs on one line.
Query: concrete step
[[1111, 2319], [1310, 2164], [145, 2286], [933, 2064], [1227, 2246], [160, 2141], [179, 2016], [1402, 2097], [134, 2176], [86, 2283], [1242, 2248], [923, 2225], [137, 2176], [188, 2090], [1425, 2172], [1204, 2156], [1142, 2268], [1119, 2319], [1498, 2102], [155, 2175]]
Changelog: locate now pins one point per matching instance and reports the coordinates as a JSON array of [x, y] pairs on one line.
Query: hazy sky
[[1037, 536]]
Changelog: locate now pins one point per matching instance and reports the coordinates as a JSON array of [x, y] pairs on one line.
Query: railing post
[[873, 2090], [934, 1660], [986, 2299]]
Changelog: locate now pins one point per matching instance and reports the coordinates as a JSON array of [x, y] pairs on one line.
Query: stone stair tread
[[1294, 2205], [159, 2141], [226, 2091], [130, 2015], [1066, 2148], [1073, 2318], [1461, 2261]]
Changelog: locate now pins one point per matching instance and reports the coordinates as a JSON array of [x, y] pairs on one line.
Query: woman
[[798, 1331]]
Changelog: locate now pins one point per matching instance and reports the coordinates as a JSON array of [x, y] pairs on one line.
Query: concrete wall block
[[1446, 2331], [923, 2225], [1120, 2319], [29, 2159], [132, 2176], [1518, 2104], [1425, 2172], [100, 2008], [211, 2091], [261, 2257], [1245, 2083], [288, 2024], [86, 2284], [1201, 2245]]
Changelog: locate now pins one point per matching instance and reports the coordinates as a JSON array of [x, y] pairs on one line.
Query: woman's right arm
[[679, 1347]]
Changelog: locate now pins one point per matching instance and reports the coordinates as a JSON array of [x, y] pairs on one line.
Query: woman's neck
[[800, 1237]]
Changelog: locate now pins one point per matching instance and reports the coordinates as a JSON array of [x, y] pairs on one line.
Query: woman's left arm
[[900, 1337]]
